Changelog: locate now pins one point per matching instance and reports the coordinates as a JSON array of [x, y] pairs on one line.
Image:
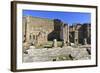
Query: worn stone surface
[[55, 54], [38, 31]]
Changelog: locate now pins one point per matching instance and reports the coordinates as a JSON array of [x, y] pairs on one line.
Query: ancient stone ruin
[[65, 41], [40, 31]]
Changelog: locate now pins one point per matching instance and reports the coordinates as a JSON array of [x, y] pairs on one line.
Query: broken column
[[76, 37], [54, 43]]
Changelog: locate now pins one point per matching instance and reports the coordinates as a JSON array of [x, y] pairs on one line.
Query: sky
[[66, 17]]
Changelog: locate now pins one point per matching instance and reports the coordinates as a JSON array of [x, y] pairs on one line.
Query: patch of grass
[[59, 43], [40, 46], [49, 44], [62, 58]]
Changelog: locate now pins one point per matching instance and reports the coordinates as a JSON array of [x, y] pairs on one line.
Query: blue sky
[[66, 17]]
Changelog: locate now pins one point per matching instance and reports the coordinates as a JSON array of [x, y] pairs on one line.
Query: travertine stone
[[85, 41], [54, 43]]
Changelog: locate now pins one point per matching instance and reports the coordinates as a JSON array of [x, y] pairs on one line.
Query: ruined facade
[[80, 33], [37, 31]]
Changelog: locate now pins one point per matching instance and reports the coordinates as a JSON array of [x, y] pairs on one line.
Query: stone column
[[65, 34], [27, 29], [76, 37], [68, 35], [64, 44], [54, 43], [85, 41], [61, 32], [31, 38]]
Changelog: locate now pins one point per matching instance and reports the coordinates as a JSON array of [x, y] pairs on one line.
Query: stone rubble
[[55, 54]]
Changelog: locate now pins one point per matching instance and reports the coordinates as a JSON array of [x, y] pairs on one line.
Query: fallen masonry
[[57, 54]]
